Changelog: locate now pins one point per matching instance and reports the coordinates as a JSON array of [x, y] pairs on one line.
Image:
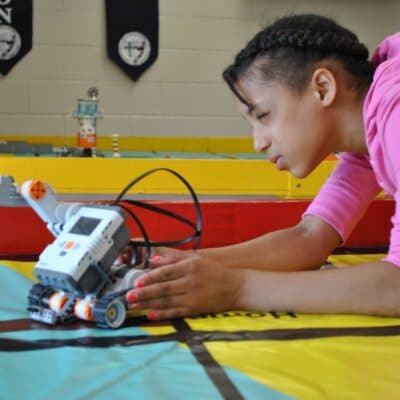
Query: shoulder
[[383, 96], [387, 50], [386, 60]]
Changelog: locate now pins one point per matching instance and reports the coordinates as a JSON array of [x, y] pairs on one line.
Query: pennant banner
[[132, 34], [15, 32]]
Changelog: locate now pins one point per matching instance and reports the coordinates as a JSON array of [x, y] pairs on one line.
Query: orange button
[[69, 245], [36, 190]]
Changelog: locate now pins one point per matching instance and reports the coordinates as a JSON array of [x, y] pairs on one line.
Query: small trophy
[[87, 113]]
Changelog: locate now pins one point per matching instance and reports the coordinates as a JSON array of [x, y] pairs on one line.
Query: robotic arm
[[41, 197]]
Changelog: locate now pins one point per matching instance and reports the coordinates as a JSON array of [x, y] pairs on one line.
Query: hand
[[183, 284], [128, 257]]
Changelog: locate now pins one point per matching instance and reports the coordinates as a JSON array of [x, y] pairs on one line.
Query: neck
[[350, 127]]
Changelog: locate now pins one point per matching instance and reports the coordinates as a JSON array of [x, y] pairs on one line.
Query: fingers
[[137, 254], [168, 258], [158, 255], [161, 273], [168, 283], [165, 300], [130, 256], [162, 289]]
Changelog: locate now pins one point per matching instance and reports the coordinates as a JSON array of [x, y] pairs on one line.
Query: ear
[[324, 86]]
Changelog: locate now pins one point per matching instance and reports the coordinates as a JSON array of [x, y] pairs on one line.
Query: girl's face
[[291, 129]]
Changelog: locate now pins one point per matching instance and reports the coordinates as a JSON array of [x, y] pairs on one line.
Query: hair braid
[[295, 43]]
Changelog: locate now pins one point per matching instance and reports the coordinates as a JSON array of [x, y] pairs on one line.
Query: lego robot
[[77, 276]]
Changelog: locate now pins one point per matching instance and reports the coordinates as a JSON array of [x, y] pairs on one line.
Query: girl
[[307, 88]]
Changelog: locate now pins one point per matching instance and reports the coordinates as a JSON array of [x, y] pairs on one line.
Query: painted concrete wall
[[183, 93]]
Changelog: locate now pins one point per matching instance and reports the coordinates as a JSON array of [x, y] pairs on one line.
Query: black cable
[[144, 234], [147, 243], [160, 210], [181, 178], [170, 214], [197, 228]]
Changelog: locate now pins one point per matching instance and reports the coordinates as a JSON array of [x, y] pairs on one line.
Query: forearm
[[291, 249], [372, 288]]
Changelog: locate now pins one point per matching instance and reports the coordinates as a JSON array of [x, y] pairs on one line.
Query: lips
[[274, 159]]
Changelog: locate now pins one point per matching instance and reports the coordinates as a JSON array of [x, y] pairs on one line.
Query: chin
[[300, 173], [303, 171]]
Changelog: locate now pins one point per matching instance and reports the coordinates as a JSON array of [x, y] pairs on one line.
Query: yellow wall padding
[[207, 176]]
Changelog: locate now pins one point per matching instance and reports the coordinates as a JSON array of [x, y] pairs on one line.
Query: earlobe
[[324, 86]]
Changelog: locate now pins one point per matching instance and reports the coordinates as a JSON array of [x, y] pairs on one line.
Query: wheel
[[37, 294], [110, 313], [115, 313]]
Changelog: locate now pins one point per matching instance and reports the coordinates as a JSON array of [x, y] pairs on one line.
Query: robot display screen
[[85, 226]]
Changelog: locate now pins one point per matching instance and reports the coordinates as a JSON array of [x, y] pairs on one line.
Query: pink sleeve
[[393, 255], [347, 193], [388, 121]]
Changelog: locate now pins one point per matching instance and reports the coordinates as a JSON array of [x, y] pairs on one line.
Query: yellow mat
[[233, 355]]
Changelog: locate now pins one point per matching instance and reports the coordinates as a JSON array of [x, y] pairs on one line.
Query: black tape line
[[213, 369]]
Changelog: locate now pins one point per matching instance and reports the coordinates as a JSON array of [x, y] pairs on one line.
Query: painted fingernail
[[131, 297], [139, 283], [136, 305], [152, 316], [155, 259]]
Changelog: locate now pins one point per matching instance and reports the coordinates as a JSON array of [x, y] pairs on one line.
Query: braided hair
[[288, 50]]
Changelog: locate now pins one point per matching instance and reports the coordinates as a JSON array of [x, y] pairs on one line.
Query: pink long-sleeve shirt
[[358, 178]]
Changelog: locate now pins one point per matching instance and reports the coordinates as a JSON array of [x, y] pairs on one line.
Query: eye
[[261, 116]]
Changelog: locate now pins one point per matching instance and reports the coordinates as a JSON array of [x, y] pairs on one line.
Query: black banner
[[132, 34], [15, 32]]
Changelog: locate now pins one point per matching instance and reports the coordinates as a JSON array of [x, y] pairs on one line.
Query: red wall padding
[[224, 222]]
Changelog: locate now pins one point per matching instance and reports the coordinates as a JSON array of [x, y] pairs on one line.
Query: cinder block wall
[[183, 93]]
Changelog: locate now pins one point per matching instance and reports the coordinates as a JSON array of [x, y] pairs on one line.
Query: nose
[[260, 139]]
